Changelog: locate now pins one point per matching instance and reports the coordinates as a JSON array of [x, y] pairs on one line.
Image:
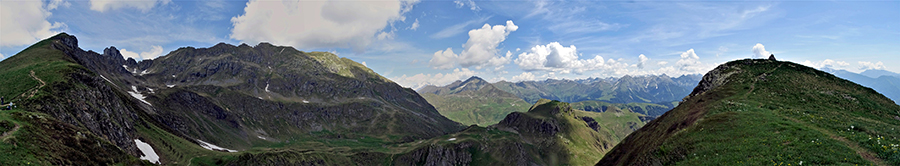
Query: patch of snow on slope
[[267, 87], [138, 95], [213, 147], [144, 72], [304, 101], [173, 85], [106, 79], [147, 150]]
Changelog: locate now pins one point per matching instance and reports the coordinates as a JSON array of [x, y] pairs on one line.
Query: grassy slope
[[48, 64], [29, 138], [582, 144], [770, 113], [478, 110]]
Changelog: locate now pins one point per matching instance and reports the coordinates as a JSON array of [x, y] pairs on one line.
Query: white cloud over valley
[[863, 65], [479, 51], [154, 52], [317, 24], [440, 79]]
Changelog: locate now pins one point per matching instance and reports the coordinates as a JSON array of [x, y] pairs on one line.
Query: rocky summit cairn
[[772, 57]]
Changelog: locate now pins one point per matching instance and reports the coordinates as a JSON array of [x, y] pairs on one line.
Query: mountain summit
[[761, 112]]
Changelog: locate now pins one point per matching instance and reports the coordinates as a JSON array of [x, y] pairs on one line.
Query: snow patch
[[167, 85], [151, 90], [147, 150], [261, 137], [107, 80], [451, 139], [304, 101], [138, 95], [267, 87], [125, 66], [213, 147], [173, 76], [259, 98], [144, 72]]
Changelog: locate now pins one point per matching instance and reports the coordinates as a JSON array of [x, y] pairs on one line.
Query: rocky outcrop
[[712, 79]]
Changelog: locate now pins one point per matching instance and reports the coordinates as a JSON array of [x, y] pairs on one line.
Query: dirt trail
[[10, 132], [34, 90]]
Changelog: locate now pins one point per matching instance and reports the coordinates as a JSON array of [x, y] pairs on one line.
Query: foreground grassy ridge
[[770, 113], [48, 64], [29, 138]]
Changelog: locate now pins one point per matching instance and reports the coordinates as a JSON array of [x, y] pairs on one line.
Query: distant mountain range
[[473, 101], [885, 82], [627, 89]]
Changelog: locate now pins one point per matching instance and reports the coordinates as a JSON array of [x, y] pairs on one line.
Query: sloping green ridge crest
[[763, 112]]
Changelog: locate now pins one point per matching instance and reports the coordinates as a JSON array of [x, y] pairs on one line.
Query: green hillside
[[474, 101], [549, 133], [764, 112]]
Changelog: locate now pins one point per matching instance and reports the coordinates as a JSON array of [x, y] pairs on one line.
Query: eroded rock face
[[528, 125], [87, 100], [712, 79], [591, 123]]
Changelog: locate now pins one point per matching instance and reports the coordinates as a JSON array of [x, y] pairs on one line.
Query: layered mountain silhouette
[[885, 82], [627, 89]]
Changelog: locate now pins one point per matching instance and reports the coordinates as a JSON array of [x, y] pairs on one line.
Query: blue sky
[[416, 42]]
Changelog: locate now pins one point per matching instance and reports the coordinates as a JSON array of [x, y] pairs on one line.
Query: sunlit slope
[[763, 112], [473, 101]]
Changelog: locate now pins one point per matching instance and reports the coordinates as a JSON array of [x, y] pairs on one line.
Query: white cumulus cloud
[[154, 52], [317, 24], [558, 58], [480, 50], [25, 22], [142, 5], [525, 76], [827, 63], [443, 59], [690, 62], [642, 59], [419, 80], [759, 51], [863, 65]]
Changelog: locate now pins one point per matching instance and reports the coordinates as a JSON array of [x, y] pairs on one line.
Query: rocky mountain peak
[[68, 40]]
